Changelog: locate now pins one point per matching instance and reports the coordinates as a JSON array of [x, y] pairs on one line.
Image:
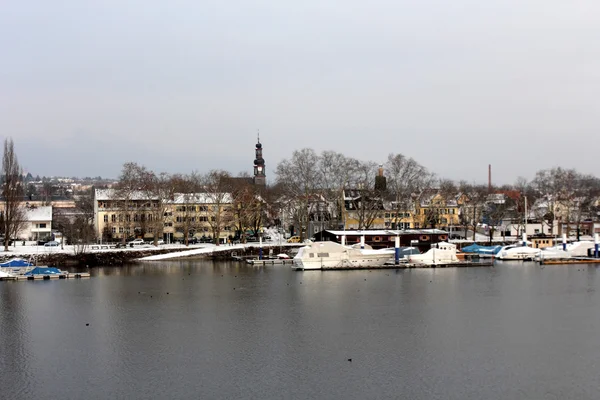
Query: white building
[[39, 223]]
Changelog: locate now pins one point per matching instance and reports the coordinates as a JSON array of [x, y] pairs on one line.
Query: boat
[[573, 250], [440, 253], [16, 266], [5, 274], [332, 255], [481, 251], [517, 252]]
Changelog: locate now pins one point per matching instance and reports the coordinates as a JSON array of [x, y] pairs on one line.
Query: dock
[[273, 261], [571, 261], [462, 264], [41, 277]]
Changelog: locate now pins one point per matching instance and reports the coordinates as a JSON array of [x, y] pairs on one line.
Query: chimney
[[380, 181], [490, 178]]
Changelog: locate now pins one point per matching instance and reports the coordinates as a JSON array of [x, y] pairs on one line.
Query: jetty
[[271, 261], [45, 277], [404, 265], [571, 261]]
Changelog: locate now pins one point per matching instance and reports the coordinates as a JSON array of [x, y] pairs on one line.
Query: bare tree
[[218, 192], [336, 173], [369, 204], [406, 179], [496, 209], [475, 198], [299, 181], [12, 194], [126, 193]]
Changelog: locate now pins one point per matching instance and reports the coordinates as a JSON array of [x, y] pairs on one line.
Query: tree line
[[310, 186]]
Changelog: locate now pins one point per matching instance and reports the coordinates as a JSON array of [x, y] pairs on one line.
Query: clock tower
[[259, 165]]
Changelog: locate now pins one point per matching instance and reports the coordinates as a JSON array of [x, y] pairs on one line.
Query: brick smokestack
[[490, 178]]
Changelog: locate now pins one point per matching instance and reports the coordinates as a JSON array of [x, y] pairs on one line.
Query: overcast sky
[[184, 85]]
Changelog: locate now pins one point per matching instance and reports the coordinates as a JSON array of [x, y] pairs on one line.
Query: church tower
[[259, 165]]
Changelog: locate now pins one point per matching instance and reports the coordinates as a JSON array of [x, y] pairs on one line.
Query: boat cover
[[44, 271], [16, 262], [477, 249]]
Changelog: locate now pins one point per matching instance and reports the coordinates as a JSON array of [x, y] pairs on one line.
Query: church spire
[[259, 163]]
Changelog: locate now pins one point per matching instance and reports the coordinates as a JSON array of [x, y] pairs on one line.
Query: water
[[227, 330]]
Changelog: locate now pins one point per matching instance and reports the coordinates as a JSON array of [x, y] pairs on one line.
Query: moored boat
[[332, 255], [440, 253]]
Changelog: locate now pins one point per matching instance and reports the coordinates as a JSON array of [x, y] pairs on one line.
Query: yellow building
[[143, 216], [436, 211]]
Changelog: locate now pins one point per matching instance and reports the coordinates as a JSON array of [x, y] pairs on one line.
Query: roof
[[178, 198], [201, 198], [39, 213], [388, 232], [112, 194]]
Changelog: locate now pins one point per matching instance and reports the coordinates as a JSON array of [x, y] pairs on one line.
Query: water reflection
[[190, 329]]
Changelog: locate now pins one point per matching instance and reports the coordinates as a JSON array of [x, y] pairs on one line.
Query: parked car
[[136, 242], [52, 243], [294, 239]]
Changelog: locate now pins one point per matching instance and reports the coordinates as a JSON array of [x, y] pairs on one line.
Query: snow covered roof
[[39, 213], [112, 194], [201, 198], [389, 232]]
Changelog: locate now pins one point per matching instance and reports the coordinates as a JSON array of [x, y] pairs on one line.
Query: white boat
[[5, 274], [576, 249], [326, 255], [516, 252], [440, 253]]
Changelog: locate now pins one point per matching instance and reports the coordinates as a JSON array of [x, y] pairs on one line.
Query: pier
[[463, 264], [571, 261], [273, 261], [46, 277]]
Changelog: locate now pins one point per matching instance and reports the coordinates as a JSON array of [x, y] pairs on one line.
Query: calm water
[[198, 329]]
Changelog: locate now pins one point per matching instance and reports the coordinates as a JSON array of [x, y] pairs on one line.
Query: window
[[203, 219], [120, 229], [106, 218], [113, 218], [114, 229], [203, 208]]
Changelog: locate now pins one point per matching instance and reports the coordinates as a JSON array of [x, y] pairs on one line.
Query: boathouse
[[384, 238]]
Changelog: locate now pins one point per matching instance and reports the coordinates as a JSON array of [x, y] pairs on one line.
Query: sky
[[181, 86]]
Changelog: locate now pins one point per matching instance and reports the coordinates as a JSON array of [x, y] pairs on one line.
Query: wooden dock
[[462, 264], [41, 277], [272, 261], [571, 261]]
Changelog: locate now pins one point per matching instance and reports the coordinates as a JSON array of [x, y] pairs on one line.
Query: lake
[[225, 330]]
